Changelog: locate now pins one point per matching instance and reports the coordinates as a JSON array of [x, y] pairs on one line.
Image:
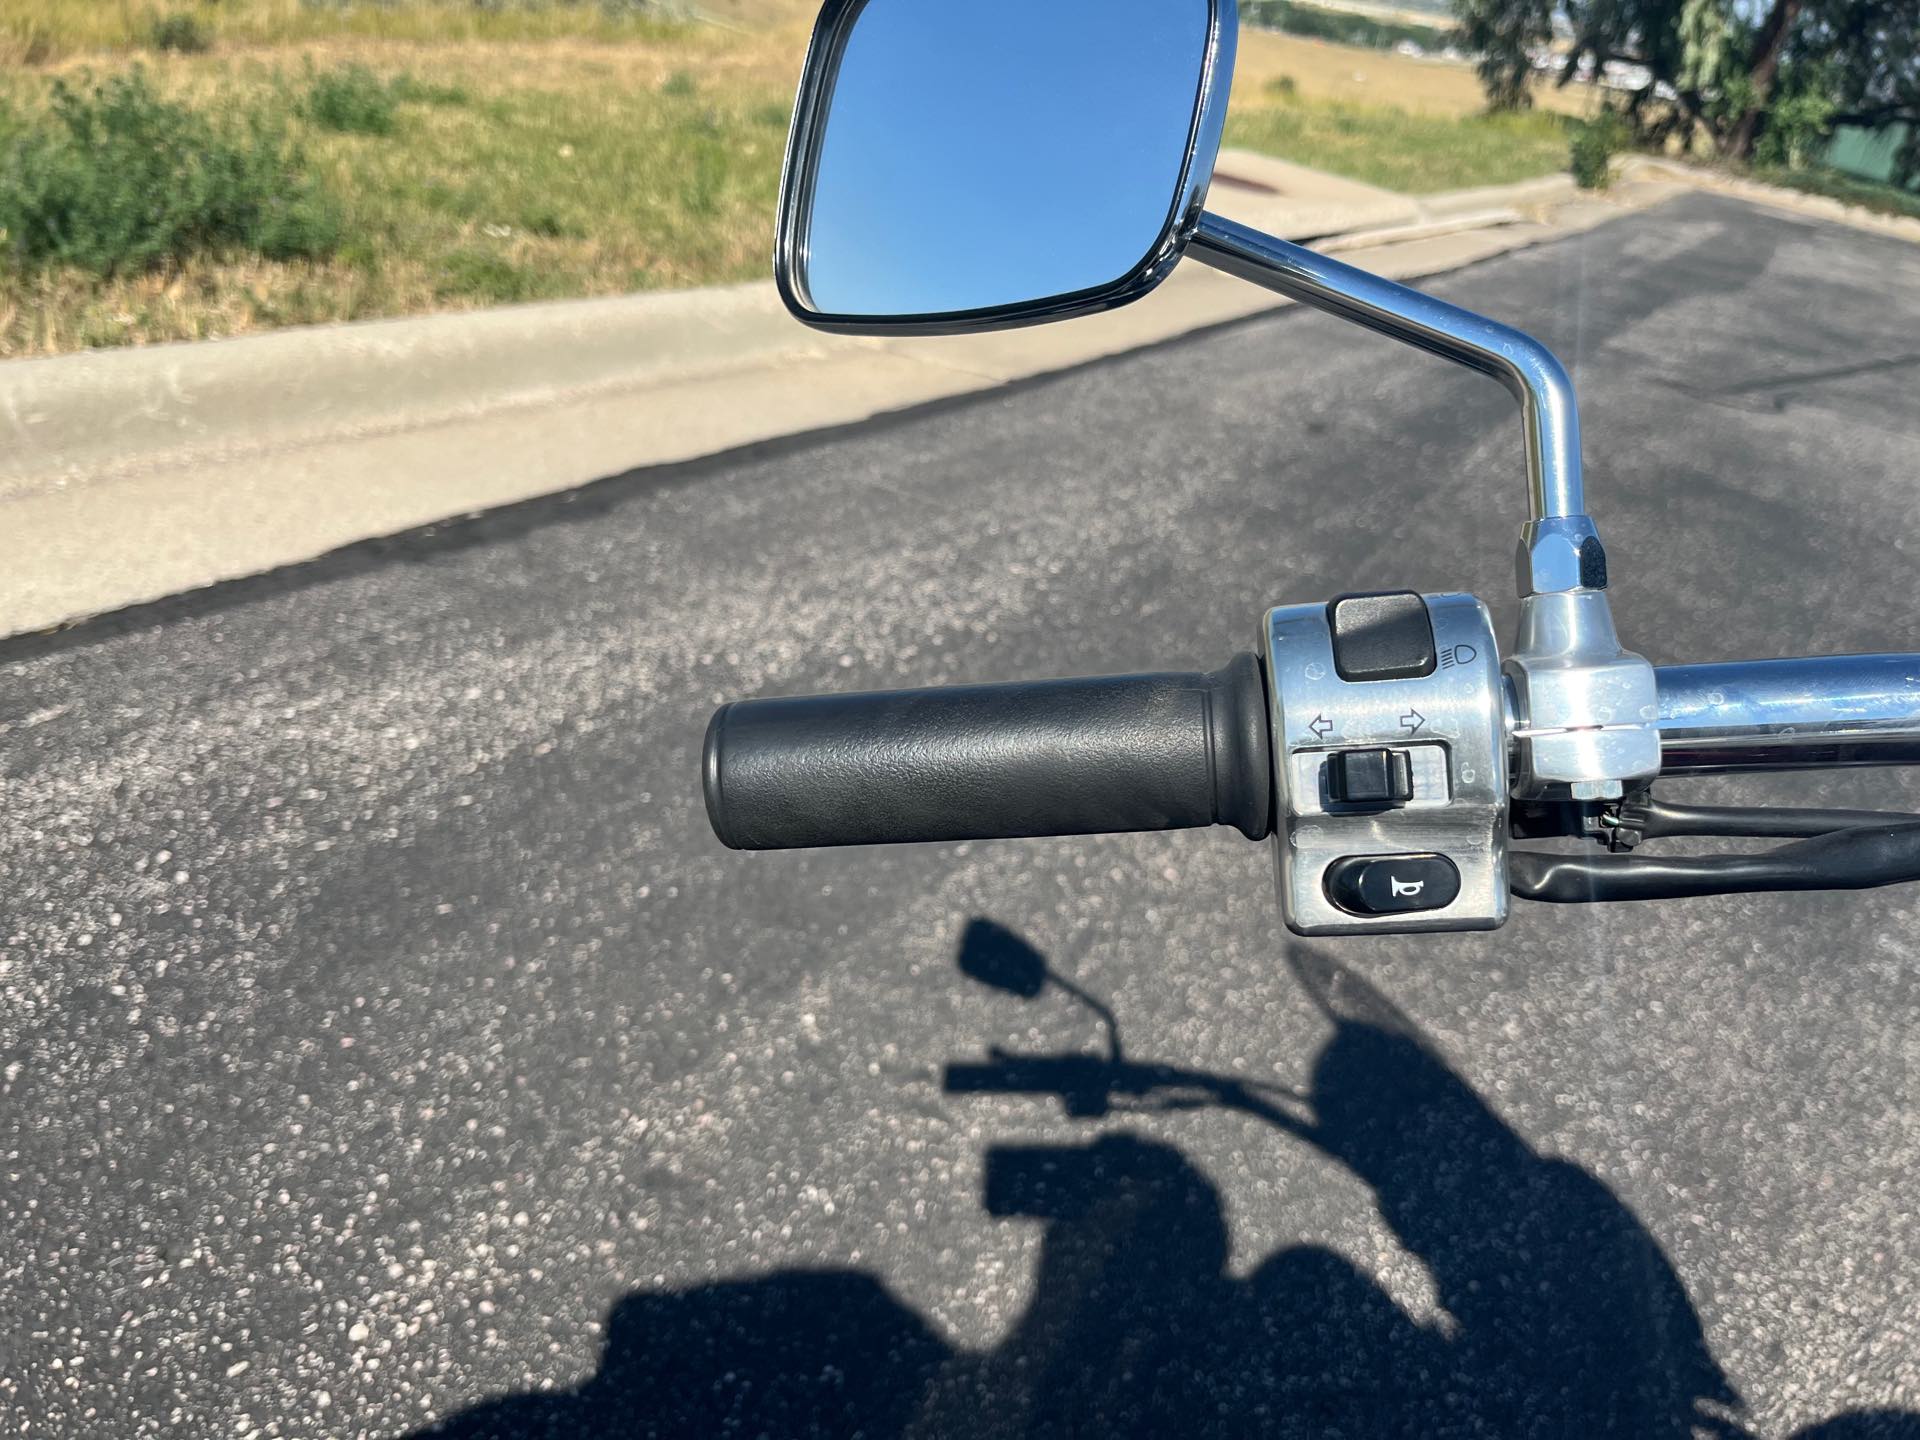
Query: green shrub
[[351, 100], [181, 34], [1798, 128], [1595, 143], [114, 179], [680, 85], [1282, 87]]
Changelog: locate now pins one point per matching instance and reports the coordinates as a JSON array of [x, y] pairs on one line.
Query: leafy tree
[[1869, 50], [1754, 82], [1763, 70], [1503, 34]]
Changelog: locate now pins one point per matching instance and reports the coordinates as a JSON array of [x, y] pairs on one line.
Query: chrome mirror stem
[[1588, 711], [1529, 370]]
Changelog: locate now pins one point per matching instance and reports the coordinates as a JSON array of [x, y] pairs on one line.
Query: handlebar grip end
[[1243, 753], [710, 768]]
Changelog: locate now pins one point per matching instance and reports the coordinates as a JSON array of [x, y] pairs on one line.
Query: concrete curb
[[1775, 197], [103, 415], [129, 475], [1419, 230], [1524, 195]]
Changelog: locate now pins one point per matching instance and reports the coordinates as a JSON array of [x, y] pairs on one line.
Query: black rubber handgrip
[[984, 762]]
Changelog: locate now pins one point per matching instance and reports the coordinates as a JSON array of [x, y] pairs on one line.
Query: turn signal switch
[[1370, 777]]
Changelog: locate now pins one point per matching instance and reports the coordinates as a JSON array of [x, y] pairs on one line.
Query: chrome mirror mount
[[1586, 711]]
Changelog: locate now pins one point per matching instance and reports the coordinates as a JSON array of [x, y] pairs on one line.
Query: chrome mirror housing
[[961, 167]]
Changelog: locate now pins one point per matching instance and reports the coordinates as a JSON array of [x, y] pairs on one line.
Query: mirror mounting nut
[[1558, 554]]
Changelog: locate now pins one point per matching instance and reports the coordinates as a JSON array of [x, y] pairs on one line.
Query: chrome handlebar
[[1376, 740], [1816, 712]]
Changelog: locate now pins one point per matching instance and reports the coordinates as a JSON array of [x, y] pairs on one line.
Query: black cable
[[1657, 818], [1858, 858]]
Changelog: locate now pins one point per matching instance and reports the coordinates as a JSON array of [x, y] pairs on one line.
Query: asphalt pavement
[[386, 1043]]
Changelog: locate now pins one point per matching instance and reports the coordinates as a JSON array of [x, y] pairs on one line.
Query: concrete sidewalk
[[130, 475]]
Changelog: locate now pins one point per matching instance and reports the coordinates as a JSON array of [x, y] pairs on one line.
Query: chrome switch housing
[[1448, 724]]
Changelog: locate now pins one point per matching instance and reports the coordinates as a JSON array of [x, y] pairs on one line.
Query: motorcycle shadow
[[1563, 1316]]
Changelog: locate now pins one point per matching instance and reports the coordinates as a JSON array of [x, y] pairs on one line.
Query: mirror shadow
[[1562, 1315]]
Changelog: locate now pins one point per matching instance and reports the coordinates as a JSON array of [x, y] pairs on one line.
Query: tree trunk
[[1766, 64]]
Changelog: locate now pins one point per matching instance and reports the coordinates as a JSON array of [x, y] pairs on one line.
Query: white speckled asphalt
[[385, 1042]]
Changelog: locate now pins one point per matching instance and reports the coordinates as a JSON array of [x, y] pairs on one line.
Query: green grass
[[535, 193], [1882, 199], [466, 192], [1417, 154]]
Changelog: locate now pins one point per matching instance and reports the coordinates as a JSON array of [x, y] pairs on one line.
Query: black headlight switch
[[1381, 637]]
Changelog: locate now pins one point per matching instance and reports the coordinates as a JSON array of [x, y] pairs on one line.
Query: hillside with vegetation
[[215, 167]]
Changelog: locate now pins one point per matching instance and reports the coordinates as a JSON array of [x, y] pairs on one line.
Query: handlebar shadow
[[1562, 1315]]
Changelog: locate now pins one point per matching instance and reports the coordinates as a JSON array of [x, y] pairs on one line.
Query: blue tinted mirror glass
[[979, 154]]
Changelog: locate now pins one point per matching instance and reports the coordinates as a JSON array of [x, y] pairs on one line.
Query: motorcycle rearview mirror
[[957, 167], [986, 163]]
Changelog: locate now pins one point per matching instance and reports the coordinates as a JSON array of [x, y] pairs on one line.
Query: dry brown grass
[[754, 58], [1350, 75], [51, 314], [41, 32], [35, 32]]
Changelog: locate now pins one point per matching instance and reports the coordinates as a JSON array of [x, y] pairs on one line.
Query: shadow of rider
[[1562, 1316], [1566, 1318]]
